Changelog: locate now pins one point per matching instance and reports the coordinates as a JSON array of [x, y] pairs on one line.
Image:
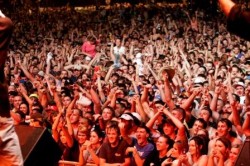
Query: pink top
[[89, 48]]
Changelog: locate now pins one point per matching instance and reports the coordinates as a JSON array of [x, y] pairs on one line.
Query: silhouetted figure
[[10, 152]]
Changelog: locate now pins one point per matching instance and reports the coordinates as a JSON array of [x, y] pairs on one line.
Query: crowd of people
[[131, 85]]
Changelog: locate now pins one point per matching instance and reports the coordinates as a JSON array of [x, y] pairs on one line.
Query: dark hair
[[91, 39], [28, 108], [115, 127], [37, 104], [208, 110], [229, 125], [167, 121], [143, 125], [52, 103], [200, 142], [225, 142], [159, 102], [205, 69], [236, 97], [112, 122], [169, 141], [111, 109], [204, 123], [98, 131], [180, 110]]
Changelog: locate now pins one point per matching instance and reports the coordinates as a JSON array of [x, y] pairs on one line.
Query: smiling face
[[74, 117], [161, 144], [94, 139], [193, 147], [113, 136], [197, 126], [17, 101], [83, 123], [24, 108], [168, 129], [239, 90], [176, 151], [82, 137], [220, 147], [234, 152], [107, 114], [222, 129]]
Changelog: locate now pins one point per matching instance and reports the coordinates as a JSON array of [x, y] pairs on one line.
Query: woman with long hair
[[220, 152], [178, 149], [196, 155], [233, 154], [89, 154], [62, 134]]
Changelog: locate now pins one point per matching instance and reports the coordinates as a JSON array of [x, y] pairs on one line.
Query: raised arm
[[111, 68], [168, 91], [181, 135], [56, 97], [152, 120], [26, 72], [55, 133], [246, 125], [236, 118], [99, 88], [96, 100], [139, 108], [213, 104]]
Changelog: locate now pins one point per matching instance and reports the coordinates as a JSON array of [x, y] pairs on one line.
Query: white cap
[[126, 117], [138, 116], [239, 84]]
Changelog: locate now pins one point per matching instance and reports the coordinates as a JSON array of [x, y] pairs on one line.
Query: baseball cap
[[126, 117], [34, 95], [239, 84], [136, 115]]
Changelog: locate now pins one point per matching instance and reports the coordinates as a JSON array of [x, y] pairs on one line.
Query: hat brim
[[169, 71]]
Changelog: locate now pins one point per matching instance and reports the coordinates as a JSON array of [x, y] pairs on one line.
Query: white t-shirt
[[119, 50]]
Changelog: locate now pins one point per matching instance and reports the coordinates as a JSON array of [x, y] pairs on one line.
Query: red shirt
[[89, 48]]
